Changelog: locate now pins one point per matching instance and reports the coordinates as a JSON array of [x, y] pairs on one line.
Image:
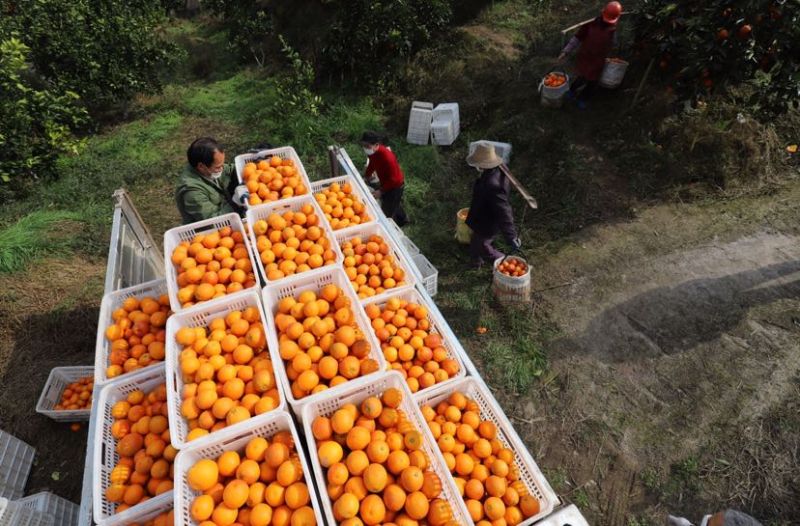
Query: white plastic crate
[[410, 247], [111, 302], [369, 201], [446, 124], [105, 452], [64, 512], [263, 211], [14, 513], [284, 152], [174, 236], [293, 287], [419, 122], [437, 323], [16, 459], [364, 232], [59, 379], [529, 472], [356, 392], [428, 272], [235, 439], [503, 149], [201, 316]]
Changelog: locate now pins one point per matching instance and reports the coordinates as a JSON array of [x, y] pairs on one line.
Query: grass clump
[[33, 236]]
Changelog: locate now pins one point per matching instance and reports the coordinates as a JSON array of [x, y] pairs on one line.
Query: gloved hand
[[677, 521], [241, 195], [516, 245]]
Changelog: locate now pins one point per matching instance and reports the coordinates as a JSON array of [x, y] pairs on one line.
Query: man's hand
[[376, 193], [561, 58], [516, 245], [241, 195]]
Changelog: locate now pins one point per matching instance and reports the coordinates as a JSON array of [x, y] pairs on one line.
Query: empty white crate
[[59, 379], [503, 149], [13, 513], [446, 124], [428, 272], [419, 122], [529, 472], [64, 512], [16, 459]]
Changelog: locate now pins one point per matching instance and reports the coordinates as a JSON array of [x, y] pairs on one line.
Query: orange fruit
[[203, 475], [417, 504]]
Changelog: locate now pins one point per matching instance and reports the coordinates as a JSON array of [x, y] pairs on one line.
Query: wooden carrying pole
[[579, 24], [521, 189]]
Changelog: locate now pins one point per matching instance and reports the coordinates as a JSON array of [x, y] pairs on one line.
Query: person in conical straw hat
[[490, 213]]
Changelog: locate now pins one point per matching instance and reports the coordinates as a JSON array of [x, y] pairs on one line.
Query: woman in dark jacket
[[490, 212]]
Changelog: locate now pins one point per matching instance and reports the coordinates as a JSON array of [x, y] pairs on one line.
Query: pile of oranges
[[554, 80], [376, 469], [163, 519], [272, 179], [227, 372], [141, 430], [370, 267], [212, 265], [513, 267], [409, 344], [341, 206], [77, 395], [137, 335], [484, 470], [320, 342], [262, 484], [292, 242]]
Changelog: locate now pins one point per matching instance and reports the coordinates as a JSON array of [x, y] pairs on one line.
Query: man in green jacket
[[207, 186]]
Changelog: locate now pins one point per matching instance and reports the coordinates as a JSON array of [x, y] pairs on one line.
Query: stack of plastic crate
[[16, 459], [446, 124], [419, 122]]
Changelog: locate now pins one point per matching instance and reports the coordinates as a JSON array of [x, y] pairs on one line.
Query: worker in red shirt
[[382, 162], [594, 41]]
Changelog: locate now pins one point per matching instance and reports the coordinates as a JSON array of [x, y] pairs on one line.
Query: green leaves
[[702, 47]]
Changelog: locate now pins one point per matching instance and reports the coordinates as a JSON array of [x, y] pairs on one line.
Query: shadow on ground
[[42, 342], [668, 320]]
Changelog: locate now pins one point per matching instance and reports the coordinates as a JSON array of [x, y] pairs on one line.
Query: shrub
[[369, 40], [103, 50], [703, 46], [36, 123]]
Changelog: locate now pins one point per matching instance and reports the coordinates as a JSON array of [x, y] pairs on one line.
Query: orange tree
[[703, 46]]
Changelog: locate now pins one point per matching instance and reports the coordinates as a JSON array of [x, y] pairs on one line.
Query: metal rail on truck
[[133, 258]]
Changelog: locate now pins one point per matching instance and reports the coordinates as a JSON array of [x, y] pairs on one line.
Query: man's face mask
[[369, 151], [215, 175]]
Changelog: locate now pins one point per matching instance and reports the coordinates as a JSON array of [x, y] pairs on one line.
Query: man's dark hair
[[202, 151], [371, 137]]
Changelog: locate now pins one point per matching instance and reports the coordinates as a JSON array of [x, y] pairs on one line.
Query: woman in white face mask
[[382, 162]]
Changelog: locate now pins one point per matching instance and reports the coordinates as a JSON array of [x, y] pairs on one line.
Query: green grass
[[33, 236]]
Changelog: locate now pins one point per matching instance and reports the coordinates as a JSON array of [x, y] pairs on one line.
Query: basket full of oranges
[[512, 279]]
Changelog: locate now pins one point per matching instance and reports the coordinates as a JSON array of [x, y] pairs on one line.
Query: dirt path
[[678, 336]]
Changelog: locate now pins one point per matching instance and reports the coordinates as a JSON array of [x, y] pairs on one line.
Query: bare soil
[[676, 375]]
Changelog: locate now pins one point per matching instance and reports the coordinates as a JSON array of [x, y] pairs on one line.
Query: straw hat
[[484, 157]]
